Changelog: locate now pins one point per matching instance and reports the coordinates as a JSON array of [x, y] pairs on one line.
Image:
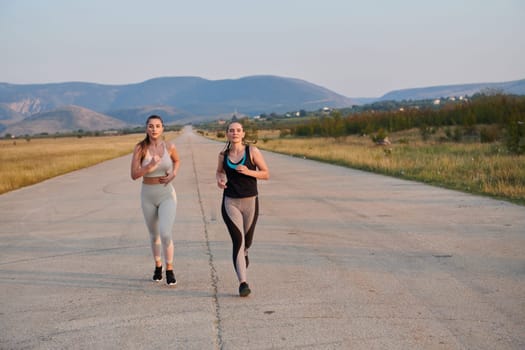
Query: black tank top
[[239, 185]]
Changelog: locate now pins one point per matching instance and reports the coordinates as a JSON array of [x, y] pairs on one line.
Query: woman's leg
[[250, 211], [149, 210], [167, 213]]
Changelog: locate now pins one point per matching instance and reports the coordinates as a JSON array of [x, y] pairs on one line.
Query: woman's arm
[[174, 155], [262, 172], [220, 174], [137, 170]]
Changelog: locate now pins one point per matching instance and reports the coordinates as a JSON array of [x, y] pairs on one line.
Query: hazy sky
[[355, 48]]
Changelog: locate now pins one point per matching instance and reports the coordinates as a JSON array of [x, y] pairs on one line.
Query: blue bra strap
[[233, 165]]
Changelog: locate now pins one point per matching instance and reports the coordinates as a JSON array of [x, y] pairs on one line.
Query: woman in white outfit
[[157, 162]]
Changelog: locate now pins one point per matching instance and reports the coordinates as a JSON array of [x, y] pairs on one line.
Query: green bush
[[379, 136], [515, 137], [489, 134]]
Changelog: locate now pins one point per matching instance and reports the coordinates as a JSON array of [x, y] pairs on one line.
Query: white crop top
[[165, 165]]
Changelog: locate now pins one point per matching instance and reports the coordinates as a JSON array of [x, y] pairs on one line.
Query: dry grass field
[[24, 163]]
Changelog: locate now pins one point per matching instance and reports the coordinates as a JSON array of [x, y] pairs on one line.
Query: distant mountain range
[[65, 119], [513, 87], [177, 99], [61, 107]]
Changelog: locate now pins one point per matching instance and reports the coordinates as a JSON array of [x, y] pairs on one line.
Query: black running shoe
[[157, 275], [244, 289], [170, 278]]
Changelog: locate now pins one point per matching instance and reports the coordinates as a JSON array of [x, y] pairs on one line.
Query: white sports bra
[[165, 165]]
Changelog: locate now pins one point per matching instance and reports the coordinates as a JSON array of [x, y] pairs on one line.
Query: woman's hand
[[221, 180], [168, 178], [154, 163], [242, 169], [221, 184]]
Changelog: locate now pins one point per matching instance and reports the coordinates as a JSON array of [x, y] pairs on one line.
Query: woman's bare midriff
[[151, 180]]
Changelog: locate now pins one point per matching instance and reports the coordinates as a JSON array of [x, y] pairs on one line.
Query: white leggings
[[159, 206]]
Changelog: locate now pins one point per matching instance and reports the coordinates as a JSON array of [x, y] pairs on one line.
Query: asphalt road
[[342, 259]]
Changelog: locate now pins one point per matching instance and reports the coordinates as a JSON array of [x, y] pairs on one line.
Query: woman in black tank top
[[238, 169]]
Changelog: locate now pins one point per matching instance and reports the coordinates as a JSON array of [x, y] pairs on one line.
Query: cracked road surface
[[342, 259]]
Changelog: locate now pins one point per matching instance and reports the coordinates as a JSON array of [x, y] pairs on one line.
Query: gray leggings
[[159, 206], [240, 216]]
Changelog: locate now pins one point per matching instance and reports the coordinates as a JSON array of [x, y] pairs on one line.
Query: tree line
[[489, 117]]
